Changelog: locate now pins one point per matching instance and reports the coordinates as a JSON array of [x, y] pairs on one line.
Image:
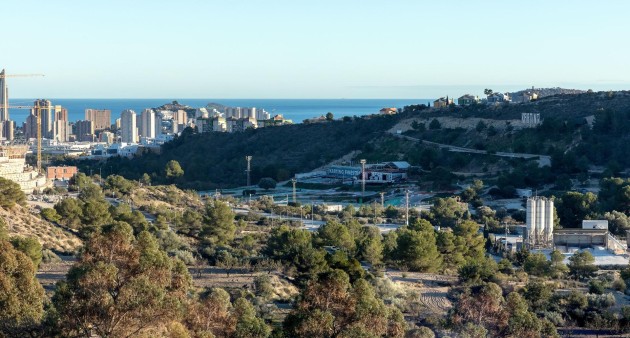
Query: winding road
[[543, 160]]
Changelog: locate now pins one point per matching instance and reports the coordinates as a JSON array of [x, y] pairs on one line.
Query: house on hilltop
[[529, 96], [388, 111], [496, 98], [442, 102], [467, 99]]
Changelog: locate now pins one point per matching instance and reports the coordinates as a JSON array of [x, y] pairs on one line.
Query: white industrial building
[[531, 119], [539, 222]]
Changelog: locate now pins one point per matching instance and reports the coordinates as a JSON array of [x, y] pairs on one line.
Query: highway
[[543, 160]]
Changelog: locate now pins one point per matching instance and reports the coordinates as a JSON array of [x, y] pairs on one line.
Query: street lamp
[[407, 208], [362, 180]]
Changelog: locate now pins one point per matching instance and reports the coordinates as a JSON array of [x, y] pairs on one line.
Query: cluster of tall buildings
[[133, 127], [56, 126], [246, 113], [7, 126], [231, 119], [53, 119]]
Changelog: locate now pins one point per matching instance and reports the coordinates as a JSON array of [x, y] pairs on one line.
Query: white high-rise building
[[148, 124], [234, 112], [46, 110], [262, 114], [128, 126], [248, 112], [4, 98], [539, 220], [158, 125], [201, 113], [179, 121], [8, 126], [60, 131]]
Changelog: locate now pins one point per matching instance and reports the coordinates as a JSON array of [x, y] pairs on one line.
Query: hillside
[[215, 160], [544, 92], [578, 130], [22, 222], [565, 106]]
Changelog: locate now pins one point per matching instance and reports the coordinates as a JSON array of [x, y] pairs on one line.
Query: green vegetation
[[121, 285], [211, 160], [267, 183], [131, 277], [10, 193], [612, 203], [21, 295], [333, 307]]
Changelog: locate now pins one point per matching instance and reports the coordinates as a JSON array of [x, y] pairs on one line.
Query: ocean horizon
[[293, 109]]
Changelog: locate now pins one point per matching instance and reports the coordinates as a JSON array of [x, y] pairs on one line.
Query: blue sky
[[311, 49]]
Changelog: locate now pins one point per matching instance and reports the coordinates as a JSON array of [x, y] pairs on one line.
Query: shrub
[[601, 301], [185, 256], [267, 183], [596, 287], [554, 317], [50, 215], [48, 256], [619, 285]]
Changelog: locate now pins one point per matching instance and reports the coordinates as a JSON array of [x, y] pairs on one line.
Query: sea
[[294, 109]]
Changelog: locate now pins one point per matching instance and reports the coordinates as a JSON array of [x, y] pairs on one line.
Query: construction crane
[[4, 106], [37, 108], [3, 75], [3, 86]]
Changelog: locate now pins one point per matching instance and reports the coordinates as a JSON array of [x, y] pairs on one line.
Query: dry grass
[[165, 196], [24, 221], [218, 277], [431, 289]]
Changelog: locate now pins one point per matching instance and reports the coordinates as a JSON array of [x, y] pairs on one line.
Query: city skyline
[[282, 49]]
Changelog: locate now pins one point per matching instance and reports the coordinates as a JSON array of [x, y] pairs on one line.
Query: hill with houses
[[578, 130]]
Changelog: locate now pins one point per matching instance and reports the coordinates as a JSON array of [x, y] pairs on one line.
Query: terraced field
[[435, 299], [432, 289]]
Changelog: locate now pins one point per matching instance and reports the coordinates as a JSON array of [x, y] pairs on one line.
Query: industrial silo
[[540, 220], [530, 219], [549, 221]]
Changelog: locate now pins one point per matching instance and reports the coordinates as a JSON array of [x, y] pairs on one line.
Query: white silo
[[530, 219], [549, 221], [540, 219]]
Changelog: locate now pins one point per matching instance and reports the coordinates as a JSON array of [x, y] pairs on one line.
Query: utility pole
[[382, 199], [294, 181], [249, 170], [375, 217], [407, 208], [362, 180]]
